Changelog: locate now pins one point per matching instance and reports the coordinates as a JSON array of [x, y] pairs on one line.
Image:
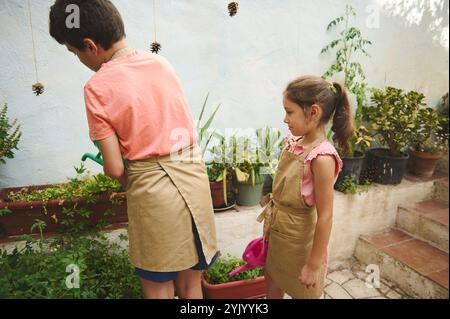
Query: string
[[32, 40], [154, 18]]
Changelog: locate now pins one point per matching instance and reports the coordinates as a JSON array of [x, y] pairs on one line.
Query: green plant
[[39, 224], [220, 167], [218, 273], [105, 271], [442, 109], [204, 137], [9, 135], [394, 116], [270, 144], [75, 220], [350, 44], [81, 186], [5, 211], [350, 186], [430, 135]]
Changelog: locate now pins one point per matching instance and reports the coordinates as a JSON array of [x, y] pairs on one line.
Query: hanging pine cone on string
[[38, 88], [155, 47], [233, 8]]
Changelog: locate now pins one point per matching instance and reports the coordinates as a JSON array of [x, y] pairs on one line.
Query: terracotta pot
[[23, 214], [217, 194], [242, 289], [423, 164]]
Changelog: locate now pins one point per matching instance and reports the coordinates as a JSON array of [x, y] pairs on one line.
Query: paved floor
[[347, 280]]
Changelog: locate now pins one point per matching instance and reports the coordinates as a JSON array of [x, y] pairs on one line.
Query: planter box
[[24, 214], [242, 289]]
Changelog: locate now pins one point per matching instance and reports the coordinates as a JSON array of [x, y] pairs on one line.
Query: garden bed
[[18, 217]]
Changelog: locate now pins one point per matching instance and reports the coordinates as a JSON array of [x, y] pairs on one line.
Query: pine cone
[[155, 47], [38, 88], [232, 8]]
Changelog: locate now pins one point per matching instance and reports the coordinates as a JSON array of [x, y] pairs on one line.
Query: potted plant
[[393, 118], [430, 143], [9, 135], [83, 202], [350, 43], [249, 174], [217, 284], [220, 174], [270, 145]]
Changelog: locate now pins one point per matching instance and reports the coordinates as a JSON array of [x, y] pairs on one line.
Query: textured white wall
[[244, 62]]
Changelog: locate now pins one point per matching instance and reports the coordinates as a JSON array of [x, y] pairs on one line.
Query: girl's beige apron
[[164, 195], [289, 224]]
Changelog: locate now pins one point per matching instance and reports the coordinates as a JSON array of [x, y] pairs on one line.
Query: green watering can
[[96, 158]]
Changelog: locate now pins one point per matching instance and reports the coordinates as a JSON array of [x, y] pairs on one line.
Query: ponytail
[[342, 121]]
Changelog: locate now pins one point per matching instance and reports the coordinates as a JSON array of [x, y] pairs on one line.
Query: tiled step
[[418, 268], [427, 220], [441, 190]]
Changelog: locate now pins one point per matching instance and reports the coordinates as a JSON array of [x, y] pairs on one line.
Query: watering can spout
[[98, 159]]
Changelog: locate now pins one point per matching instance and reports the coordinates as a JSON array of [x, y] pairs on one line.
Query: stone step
[[418, 268], [426, 220], [441, 190]]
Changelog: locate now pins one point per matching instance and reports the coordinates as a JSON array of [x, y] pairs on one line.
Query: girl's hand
[[308, 276]]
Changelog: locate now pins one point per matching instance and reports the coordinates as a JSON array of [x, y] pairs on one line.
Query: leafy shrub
[[350, 186], [105, 271], [218, 273], [9, 135]]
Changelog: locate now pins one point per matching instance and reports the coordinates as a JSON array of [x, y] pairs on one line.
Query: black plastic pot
[[352, 167], [382, 168]]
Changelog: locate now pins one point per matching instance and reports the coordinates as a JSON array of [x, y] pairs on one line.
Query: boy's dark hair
[[99, 20]]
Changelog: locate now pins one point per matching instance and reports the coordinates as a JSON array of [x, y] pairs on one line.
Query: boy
[[134, 105]]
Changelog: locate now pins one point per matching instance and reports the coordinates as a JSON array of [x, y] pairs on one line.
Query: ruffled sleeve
[[325, 148]]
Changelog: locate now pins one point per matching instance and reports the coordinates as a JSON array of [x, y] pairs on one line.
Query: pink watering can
[[254, 255]]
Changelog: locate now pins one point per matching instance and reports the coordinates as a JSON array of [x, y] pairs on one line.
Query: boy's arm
[[112, 159]]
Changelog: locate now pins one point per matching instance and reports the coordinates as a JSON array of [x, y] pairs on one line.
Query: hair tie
[[332, 87]]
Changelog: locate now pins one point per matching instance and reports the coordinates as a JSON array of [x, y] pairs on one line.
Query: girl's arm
[[112, 159], [323, 168]]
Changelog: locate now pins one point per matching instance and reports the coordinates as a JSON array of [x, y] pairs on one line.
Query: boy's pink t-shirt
[[324, 148], [139, 98]]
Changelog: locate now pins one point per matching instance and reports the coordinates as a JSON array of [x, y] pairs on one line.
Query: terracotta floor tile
[[434, 210], [418, 255], [388, 238], [441, 277]]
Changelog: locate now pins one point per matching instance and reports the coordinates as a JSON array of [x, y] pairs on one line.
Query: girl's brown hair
[[332, 98]]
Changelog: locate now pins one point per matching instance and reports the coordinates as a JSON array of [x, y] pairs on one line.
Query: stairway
[[414, 254]]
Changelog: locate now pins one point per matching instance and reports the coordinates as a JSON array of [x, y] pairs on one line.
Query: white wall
[[244, 62]]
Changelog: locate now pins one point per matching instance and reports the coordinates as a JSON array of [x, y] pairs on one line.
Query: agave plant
[[204, 137]]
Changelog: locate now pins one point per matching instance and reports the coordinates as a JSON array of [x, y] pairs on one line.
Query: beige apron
[[289, 225], [163, 197]]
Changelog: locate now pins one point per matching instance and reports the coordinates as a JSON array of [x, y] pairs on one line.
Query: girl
[[296, 231], [136, 109]]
